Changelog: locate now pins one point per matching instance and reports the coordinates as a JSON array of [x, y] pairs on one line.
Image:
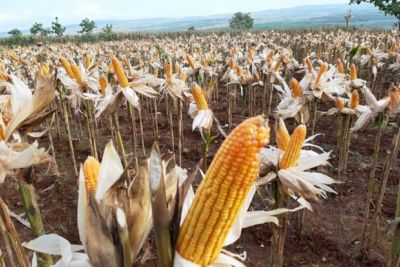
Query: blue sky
[[23, 13]]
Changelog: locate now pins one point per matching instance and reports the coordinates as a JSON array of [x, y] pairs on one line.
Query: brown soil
[[330, 235]]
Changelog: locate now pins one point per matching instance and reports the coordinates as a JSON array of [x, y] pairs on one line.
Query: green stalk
[[32, 213]]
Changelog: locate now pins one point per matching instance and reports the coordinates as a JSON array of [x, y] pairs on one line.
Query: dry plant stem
[[132, 116], [156, 119], [2, 264], [71, 144], [347, 144], [229, 106], [171, 124], [279, 232], [270, 95], [389, 163], [11, 239], [340, 142], [371, 185], [32, 213], [90, 128], [141, 131], [57, 104], [53, 151], [180, 132], [124, 240], [120, 142], [314, 115]]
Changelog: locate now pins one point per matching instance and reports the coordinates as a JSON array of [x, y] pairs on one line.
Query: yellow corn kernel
[[87, 61], [103, 84], [231, 64], [183, 76], [353, 72], [77, 74], [309, 64], [199, 97], [191, 62], [119, 71], [46, 70], [277, 66], [282, 135], [339, 66], [270, 56], [177, 69], [394, 97], [339, 103], [296, 88], [67, 67], [324, 67], [222, 192], [91, 170], [239, 70], [1, 133], [168, 72], [292, 153], [355, 99]]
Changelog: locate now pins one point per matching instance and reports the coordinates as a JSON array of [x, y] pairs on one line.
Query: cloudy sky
[[22, 13]]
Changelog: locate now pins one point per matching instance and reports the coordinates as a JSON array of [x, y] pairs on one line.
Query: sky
[[23, 13]]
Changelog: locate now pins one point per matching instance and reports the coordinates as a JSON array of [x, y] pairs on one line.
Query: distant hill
[[364, 16]]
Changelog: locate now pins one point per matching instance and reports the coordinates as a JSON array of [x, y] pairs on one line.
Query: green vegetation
[[241, 21], [390, 7], [58, 29], [87, 26]]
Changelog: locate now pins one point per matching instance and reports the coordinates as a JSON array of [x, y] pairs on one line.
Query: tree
[[87, 26], [58, 29], [36, 28], [15, 33], [107, 29], [241, 21], [347, 18], [390, 7], [191, 28]]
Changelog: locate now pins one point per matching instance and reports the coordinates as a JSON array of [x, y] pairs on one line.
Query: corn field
[[230, 149]]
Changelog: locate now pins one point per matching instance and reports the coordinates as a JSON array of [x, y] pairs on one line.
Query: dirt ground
[[330, 235]]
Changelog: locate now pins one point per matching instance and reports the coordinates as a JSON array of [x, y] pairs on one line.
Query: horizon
[[22, 14]]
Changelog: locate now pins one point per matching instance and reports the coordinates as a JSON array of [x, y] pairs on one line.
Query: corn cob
[[91, 170], [119, 71], [77, 74], [183, 76], [1, 133], [277, 66], [339, 102], [394, 97], [309, 64], [292, 153], [353, 72], [168, 72], [282, 135], [176, 67], [67, 67], [296, 88], [191, 62], [239, 71], [339, 66], [321, 71], [222, 192], [355, 99], [231, 64], [199, 97], [87, 61], [103, 84]]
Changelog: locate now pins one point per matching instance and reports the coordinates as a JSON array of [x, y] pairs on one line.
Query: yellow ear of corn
[[353, 72], [282, 135], [231, 64], [222, 192], [91, 170], [1, 133], [296, 88], [292, 153], [339, 66], [103, 84], [239, 70], [321, 71], [119, 71], [67, 67], [394, 97], [339, 102], [168, 72], [176, 67], [199, 97], [183, 76], [277, 66], [77, 73], [190, 61], [355, 99], [87, 61]]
